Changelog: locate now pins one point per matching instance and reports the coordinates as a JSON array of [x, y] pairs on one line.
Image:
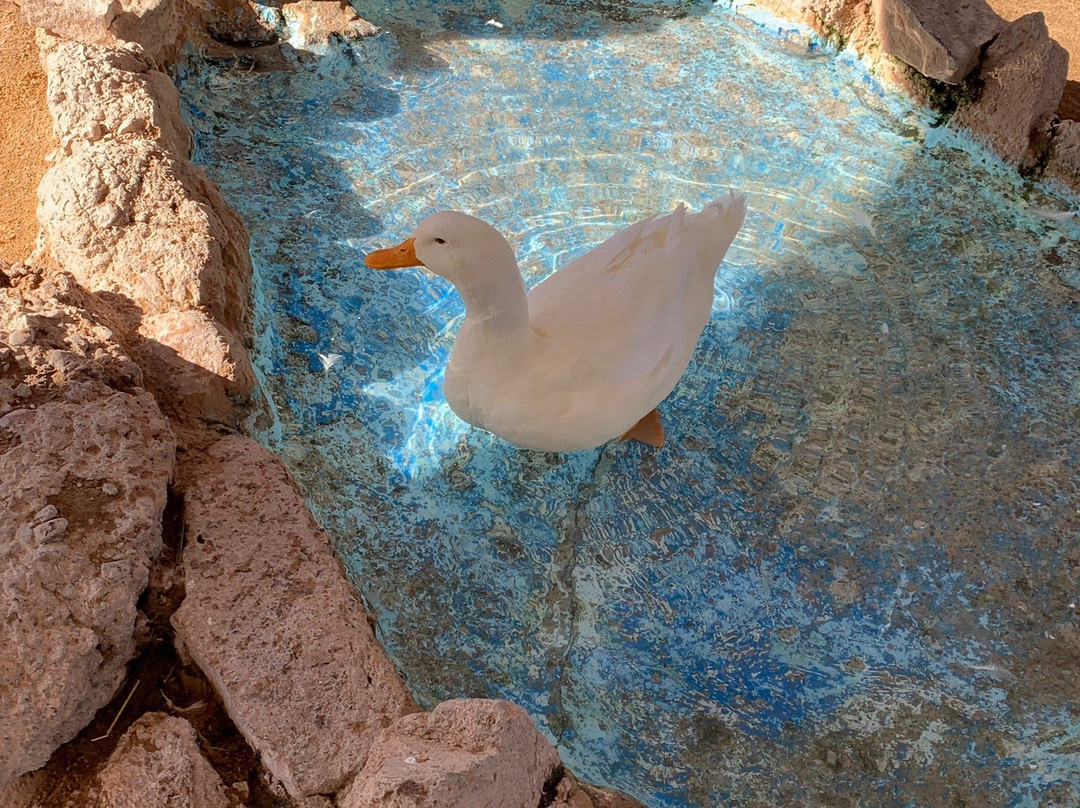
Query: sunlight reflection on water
[[869, 484]]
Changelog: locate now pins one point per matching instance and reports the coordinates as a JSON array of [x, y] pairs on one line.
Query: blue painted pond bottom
[[850, 577]]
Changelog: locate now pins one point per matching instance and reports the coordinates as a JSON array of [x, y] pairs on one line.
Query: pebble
[[23, 336], [15, 418], [50, 531], [130, 126], [46, 514], [109, 489], [23, 390]]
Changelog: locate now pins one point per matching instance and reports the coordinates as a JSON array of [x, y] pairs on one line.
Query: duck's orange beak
[[403, 255]]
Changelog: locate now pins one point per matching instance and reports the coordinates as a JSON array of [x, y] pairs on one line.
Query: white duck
[[591, 351]]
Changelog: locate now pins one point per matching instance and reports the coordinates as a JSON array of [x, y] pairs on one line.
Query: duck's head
[[459, 247]]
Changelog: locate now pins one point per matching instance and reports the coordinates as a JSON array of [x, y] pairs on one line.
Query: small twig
[[196, 706], [119, 713]]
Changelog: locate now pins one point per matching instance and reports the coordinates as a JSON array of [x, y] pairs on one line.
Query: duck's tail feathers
[[664, 228], [731, 202], [723, 217]]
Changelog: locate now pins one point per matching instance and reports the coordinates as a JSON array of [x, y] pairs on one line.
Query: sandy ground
[[25, 137], [1063, 20]]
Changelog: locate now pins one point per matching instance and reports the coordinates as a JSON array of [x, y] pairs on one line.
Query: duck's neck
[[495, 301]]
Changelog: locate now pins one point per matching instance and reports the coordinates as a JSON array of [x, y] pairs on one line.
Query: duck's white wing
[[629, 312]]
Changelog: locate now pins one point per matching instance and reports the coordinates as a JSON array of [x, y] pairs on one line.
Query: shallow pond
[[850, 576]]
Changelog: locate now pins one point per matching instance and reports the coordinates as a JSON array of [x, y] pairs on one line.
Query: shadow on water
[[851, 574]]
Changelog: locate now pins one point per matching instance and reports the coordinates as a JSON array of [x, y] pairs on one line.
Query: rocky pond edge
[[136, 513]]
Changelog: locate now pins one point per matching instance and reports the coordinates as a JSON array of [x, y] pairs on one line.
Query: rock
[[157, 764], [849, 19], [1064, 161], [240, 22], [94, 92], [66, 624], [153, 25], [72, 355], [85, 457], [1023, 78], [196, 365], [467, 752], [126, 217], [274, 624], [942, 39], [570, 793], [313, 22]]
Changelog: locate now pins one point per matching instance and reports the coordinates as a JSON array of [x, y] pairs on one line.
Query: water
[[850, 577]]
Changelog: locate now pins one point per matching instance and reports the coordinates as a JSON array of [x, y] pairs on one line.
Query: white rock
[[157, 764], [1023, 78], [467, 752], [941, 39], [269, 611], [64, 657]]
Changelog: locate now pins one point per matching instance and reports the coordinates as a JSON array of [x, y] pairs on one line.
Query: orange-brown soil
[[25, 138]]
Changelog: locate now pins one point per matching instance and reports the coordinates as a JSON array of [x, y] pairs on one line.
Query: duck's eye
[[440, 241]]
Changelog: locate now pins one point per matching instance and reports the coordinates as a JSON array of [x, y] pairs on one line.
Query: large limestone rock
[[314, 22], [468, 752], [1023, 78], [157, 764], [85, 457], [127, 215], [941, 39], [850, 19], [94, 92], [153, 25], [272, 621], [1064, 161], [197, 366], [129, 218]]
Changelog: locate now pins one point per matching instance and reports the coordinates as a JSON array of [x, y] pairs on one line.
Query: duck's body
[[591, 350]]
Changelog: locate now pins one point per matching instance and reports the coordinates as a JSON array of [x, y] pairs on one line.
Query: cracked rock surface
[[942, 40], [85, 457], [153, 25], [127, 217], [271, 620], [1023, 78], [95, 91]]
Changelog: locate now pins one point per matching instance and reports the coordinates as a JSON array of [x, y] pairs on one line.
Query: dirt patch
[[25, 138]]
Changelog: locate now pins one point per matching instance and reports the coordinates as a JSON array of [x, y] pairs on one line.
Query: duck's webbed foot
[[648, 430]]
